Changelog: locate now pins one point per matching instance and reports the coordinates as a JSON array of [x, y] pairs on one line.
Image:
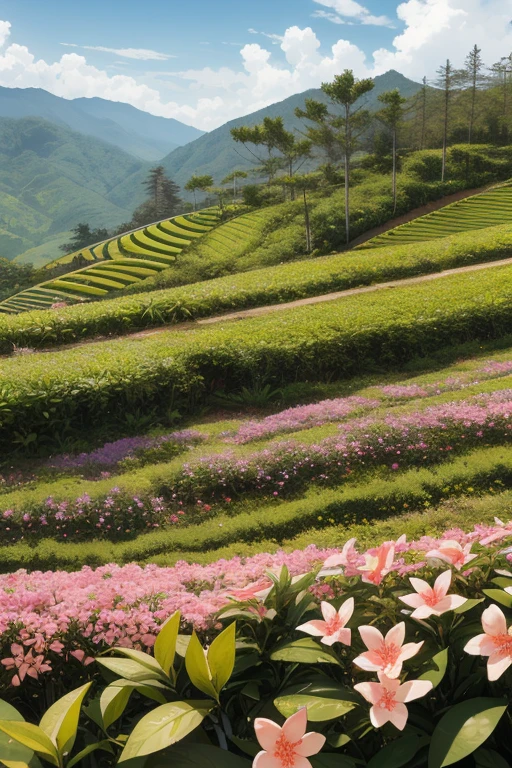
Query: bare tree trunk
[[308, 224], [292, 188], [394, 170], [424, 116], [234, 190], [347, 175], [445, 131]]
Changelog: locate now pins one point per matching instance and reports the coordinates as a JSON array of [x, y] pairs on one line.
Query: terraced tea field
[[487, 209], [117, 263]]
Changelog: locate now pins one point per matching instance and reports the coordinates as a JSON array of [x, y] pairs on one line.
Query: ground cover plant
[[372, 698], [47, 395], [47, 328]]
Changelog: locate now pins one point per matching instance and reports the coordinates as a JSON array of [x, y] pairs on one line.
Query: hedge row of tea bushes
[[45, 396], [257, 288], [483, 471]]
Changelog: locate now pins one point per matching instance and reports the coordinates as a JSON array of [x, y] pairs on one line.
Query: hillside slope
[[51, 178], [143, 135], [216, 153]]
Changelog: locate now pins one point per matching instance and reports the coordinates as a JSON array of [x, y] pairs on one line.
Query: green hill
[[216, 154], [51, 178]]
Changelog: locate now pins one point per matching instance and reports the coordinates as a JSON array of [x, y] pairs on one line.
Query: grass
[[478, 212], [103, 275]]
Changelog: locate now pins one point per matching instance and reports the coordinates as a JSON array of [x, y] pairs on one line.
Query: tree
[[198, 183], [284, 149], [304, 183], [423, 111], [339, 135], [449, 80], [392, 116], [233, 178], [473, 72], [500, 73], [163, 194], [83, 237]]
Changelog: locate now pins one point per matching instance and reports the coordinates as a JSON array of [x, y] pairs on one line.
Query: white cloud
[[349, 9], [142, 54], [207, 97]]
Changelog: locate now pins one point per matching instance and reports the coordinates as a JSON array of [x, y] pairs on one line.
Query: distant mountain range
[[216, 153], [51, 178], [132, 130]]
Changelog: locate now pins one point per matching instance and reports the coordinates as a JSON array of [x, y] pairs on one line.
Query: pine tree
[[449, 80], [473, 70], [392, 116]]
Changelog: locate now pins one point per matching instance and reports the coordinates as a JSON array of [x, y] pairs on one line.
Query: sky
[[205, 62]]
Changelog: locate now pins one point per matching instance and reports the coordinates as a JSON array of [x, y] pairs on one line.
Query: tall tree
[[233, 178], [449, 79], [198, 184], [474, 66], [392, 115], [339, 135], [501, 72], [423, 111], [163, 194], [83, 237]]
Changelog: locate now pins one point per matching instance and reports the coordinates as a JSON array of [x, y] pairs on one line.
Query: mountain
[[51, 178], [216, 153], [132, 130]]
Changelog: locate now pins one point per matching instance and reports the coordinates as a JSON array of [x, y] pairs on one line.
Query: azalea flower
[[385, 654], [495, 642], [289, 746], [27, 664], [332, 628], [453, 553], [378, 562], [432, 601], [389, 698]]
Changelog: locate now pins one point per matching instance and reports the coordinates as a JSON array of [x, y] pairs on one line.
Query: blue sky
[[211, 60]]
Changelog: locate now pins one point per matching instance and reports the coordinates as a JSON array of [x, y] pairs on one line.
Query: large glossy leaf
[[439, 663], [468, 605], [198, 669], [499, 596], [104, 746], [60, 722], [144, 659], [400, 752], [164, 726], [463, 729], [320, 708], [488, 758], [115, 697], [197, 756], [130, 670], [33, 737], [12, 753], [165, 644], [221, 657], [304, 651]]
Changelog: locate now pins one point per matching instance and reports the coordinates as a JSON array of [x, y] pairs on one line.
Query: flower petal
[[396, 635], [409, 650], [346, 610], [419, 585], [372, 692], [399, 716], [369, 662], [295, 727], [312, 743], [371, 637], [423, 612], [497, 665], [329, 612], [494, 621], [413, 600], [379, 716], [267, 732], [449, 603], [474, 646], [442, 583], [264, 760], [413, 689], [315, 628]]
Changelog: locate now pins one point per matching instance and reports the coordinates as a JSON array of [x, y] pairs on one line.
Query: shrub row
[[44, 397], [480, 472], [257, 288]]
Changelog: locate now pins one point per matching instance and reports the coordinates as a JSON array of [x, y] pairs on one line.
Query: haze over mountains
[[84, 160]]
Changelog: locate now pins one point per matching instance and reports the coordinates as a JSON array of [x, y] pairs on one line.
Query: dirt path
[[435, 205]]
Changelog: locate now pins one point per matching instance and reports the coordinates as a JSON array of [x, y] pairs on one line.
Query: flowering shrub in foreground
[[397, 674]]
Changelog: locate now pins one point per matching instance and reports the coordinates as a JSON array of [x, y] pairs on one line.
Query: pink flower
[[432, 601], [385, 654], [389, 698], [496, 642], [332, 629], [29, 665], [453, 553], [378, 562], [343, 558], [289, 746]]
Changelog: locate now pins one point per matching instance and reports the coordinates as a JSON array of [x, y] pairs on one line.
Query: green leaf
[[320, 708], [198, 669], [468, 605], [33, 737], [440, 662], [164, 726], [502, 581], [221, 657], [463, 729], [327, 760], [144, 659], [499, 596], [197, 756], [115, 697], [165, 644], [60, 722], [400, 752], [304, 651], [103, 745], [12, 753], [130, 670]]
